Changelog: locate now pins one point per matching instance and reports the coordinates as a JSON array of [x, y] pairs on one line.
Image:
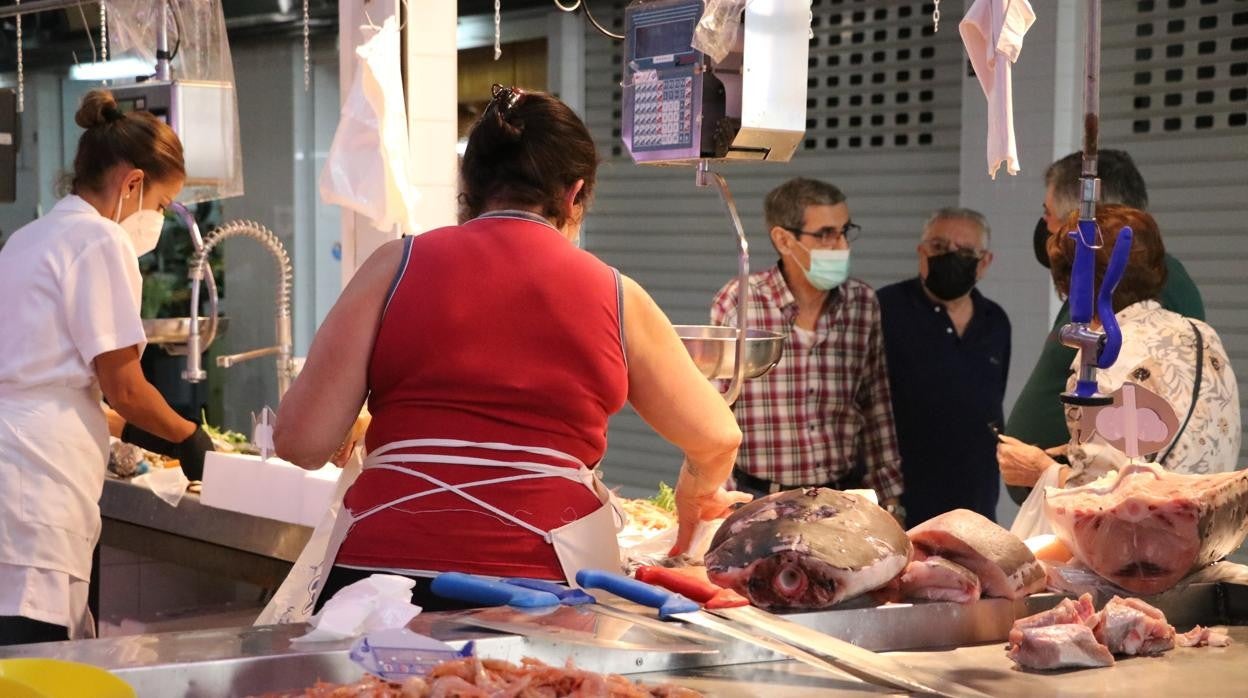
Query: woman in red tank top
[[492, 354]]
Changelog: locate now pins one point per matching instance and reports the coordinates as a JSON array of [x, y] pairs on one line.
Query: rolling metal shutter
[[883, 124], [1175, 96]]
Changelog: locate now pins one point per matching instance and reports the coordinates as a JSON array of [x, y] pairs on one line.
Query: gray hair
[[785, 206], [953, 213], [1121, 181]]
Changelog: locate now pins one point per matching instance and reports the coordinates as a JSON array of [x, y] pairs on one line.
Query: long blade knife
[[847, 656], [537, 594], [570, 624]]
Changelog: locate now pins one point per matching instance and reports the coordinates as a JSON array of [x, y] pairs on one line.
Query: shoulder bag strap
[[1200, 365]]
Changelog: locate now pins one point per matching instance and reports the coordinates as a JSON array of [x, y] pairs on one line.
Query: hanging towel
[[992, 32]]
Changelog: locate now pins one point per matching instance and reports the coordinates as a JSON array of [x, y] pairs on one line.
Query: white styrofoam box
[[318, 490], [246, 484]]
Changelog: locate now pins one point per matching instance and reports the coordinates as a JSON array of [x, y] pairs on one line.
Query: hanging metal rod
[[33, 6]]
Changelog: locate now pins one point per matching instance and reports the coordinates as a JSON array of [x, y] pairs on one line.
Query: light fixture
[[120, 68]]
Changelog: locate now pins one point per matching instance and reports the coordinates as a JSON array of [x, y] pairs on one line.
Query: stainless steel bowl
[[714, 349], [174, 330]]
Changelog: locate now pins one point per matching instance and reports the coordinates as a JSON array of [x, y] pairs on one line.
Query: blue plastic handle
[[1083, 273], [1105, 300], [567, 595], [487, 592], [668, 603]]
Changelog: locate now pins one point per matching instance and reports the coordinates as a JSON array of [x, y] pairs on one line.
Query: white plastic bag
[[294, 599], [1031, 520], [369, 168], [717, 30], [377, 602]]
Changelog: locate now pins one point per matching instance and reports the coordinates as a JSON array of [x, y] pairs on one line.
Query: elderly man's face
[[957, 235]]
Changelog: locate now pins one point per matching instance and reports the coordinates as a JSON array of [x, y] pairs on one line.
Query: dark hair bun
[[98, 108]]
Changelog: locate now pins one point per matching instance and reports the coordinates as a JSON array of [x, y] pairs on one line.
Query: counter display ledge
[[226, 543]]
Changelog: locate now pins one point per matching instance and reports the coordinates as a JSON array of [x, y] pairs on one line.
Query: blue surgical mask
[[828, 268]]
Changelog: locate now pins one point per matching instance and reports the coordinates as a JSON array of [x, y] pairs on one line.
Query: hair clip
[[111, 114], [504, 99]]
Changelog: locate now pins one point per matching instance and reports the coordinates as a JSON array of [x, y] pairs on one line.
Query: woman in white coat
[[69, 331]]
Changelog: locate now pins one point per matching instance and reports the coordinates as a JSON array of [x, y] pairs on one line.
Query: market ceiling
[[58, 38]]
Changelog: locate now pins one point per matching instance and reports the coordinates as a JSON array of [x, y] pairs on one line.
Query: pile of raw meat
[[816, 547], [1075, 634], [473, 677], [1144, 528]]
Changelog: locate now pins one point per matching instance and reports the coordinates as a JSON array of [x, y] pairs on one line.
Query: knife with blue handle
[[567, 595], [781, 636], [487, 592]]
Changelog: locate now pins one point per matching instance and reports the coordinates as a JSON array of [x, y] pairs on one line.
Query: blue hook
[[1098, 348]]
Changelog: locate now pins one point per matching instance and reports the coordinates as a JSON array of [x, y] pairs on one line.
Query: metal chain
[[936, 18], [21, 74], [103, 32], [498, 30], [307, 58]]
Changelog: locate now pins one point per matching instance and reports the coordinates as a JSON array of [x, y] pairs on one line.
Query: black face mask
[[1039, 240], [950, 275]]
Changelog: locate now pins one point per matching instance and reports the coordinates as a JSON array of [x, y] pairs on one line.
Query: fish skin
[[807, 549]]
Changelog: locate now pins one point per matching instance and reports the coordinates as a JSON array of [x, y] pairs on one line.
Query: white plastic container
[[272, 489]]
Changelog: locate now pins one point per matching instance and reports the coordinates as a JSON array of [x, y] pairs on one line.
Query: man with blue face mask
[[822, 416]]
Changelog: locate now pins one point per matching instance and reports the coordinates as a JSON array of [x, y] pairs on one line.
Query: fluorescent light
[[111, 70]]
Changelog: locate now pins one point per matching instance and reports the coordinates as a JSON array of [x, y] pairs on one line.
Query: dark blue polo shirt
[[947, 390]]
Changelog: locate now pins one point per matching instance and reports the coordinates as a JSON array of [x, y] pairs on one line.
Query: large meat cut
[[807, 548], [1144, 528], [1004, 565]]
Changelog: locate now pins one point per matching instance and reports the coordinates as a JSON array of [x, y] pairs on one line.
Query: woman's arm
[[137, 401], [320, 408], [668, 391]]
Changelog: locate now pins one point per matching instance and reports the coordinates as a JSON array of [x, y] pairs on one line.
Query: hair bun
[[98, 108]]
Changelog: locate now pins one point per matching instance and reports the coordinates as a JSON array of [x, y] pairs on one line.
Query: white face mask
[[144, 225]]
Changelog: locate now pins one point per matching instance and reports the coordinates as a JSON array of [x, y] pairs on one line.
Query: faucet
[[199, 263], [197, 241]]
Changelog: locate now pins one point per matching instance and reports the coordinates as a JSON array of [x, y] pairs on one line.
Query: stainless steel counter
[[227, 543], [249, 661]]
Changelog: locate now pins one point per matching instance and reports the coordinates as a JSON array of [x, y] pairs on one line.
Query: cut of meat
[[1144, 529], [1004, 565], [1200, 636], [1059, 646], [807, 548], [1080, 612], [1130, 626], [937, 579]]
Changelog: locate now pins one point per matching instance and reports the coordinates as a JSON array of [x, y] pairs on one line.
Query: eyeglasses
[[829, 235], [936, 247]]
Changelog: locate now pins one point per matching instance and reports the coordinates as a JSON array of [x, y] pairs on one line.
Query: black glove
[[189, 452]]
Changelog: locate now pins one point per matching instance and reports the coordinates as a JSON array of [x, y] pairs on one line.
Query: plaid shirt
[[802, 422]]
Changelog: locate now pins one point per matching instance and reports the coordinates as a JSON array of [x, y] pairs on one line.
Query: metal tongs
[[1098, 348]]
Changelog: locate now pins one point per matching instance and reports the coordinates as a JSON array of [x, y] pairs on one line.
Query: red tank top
[[497, 330]]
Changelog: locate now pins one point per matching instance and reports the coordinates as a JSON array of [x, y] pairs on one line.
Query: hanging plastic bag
[[294, 599], [717, 30], [201, 60], [369, 167], [1031, 520]]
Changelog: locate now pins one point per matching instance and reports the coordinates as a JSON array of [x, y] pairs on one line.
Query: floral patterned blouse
[[1159, 353]]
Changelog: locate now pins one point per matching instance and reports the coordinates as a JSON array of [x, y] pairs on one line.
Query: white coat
[[69, 291]]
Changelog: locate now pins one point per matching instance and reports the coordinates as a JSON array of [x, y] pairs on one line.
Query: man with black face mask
[[948, 352]]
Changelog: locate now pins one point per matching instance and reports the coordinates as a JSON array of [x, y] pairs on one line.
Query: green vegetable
[[224, 435], [665, 499]]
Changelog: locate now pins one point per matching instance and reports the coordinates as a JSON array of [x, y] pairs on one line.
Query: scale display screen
[[665, 39]]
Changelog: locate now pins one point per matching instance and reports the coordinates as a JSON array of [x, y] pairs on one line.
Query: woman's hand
[[354, 436], [695, 504], [1021, 464]]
